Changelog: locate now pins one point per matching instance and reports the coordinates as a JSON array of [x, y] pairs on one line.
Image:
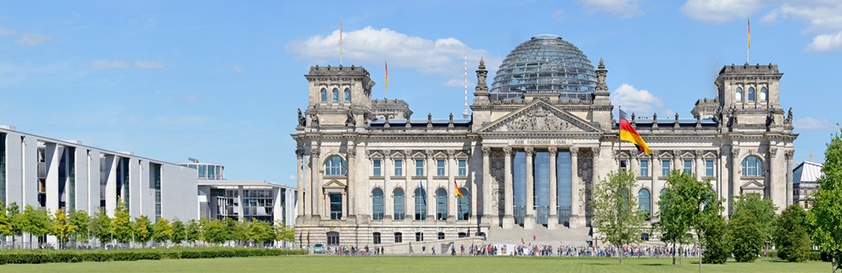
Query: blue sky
[[221, 80]]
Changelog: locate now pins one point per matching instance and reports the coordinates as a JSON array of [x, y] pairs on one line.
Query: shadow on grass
[[652, 264]]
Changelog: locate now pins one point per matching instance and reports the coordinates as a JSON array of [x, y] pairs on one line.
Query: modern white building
[[220, 198], [52, 174], [805, 180], [528, 156]]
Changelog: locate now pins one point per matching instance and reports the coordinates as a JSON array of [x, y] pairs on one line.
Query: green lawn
[[417, 264]]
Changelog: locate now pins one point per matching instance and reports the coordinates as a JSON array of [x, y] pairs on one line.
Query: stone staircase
[[543, 236]]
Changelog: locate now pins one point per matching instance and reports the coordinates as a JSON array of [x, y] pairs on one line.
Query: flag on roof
[[457, 191], [628, 133]]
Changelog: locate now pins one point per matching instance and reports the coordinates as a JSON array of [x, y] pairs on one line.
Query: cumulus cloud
[[371, 47], [823, 18], [619, 8], [812, 124], [635, 100], [105, 64], [32, 39], [6, 32], [149, 64], [826, 42], [719, 11]]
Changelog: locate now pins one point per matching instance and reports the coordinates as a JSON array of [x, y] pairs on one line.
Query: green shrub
[[75, 256]]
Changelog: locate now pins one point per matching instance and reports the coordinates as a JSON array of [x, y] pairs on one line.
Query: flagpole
[[340, 40]]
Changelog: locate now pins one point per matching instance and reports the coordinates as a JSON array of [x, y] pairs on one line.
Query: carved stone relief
[[498, 170]]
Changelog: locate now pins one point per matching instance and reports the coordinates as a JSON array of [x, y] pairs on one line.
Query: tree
[[283, 232], [121, 225], [5, 223], [717, 249], [825, 223], [235, 231], [193, 231], [82, 220], [745, 233], [37, 222], [101, 227], [213, 231], [791, 238], [762, 209], [62, 227], [142, 230], [179, 233], [162, 231], [259, 232], [615, 210], [17, 221], [687, 204]]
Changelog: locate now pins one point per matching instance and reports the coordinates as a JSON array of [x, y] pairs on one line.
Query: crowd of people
[[525, 250]]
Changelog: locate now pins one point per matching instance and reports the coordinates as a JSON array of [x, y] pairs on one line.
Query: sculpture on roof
[[302, 121]]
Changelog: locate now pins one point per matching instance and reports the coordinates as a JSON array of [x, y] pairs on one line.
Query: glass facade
[[400, 204], [70, 153], [207, 171], [541, 187], [398, 167], [564, 192], [3, 169], [545, 64], [519, 185]]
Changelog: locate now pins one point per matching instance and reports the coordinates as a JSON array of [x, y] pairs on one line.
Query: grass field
[[417, 264]]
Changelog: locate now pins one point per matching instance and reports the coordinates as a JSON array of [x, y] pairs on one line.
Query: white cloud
[[149, 64], [826, 42], [292, 178], [812, 124], [635, 100], [6, 32], [823, 18], [237, 69], [105, 64], [719, 11], [32, 39], [371, 47], [619, 8]]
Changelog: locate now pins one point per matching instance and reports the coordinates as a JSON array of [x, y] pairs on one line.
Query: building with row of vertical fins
[[527, 159]]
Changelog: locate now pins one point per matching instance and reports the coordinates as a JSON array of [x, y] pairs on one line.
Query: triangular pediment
[[539, 116], [334, 184], [753, 185]]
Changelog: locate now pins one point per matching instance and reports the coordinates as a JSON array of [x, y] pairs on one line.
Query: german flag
[[628, 133], [457, 191]]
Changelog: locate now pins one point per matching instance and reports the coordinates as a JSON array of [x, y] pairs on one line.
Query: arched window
[[335, 165], [324, 94], [739, 94], [377, 204], [644, 199], [763, 93], [335, 95], [752, 166], [347, 94], [441, 204], [420, 205], [463, 211], [751, 94], [400, 204]]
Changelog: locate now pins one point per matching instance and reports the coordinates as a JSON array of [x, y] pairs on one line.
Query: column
[[429, 170], [452, 203], [299, 208], [508, 218], [655, 171], [735, 177], [486, 186], [351, 182], [317, 197], [240, 213], [575, 210], [594, 179], [306, 192], [409, 186], [529, 219], [789, 189], [552, 220], [388, 191], [677, 162], [634, 165], [700, 165]]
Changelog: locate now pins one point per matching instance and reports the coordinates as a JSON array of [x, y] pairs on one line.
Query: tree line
[[77, 227], [692, 213]]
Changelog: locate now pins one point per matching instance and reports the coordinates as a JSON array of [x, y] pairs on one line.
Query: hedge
[[75, 256]]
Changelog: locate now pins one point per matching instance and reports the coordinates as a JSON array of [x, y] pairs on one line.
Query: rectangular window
[[463, 167], [709, 167], [419, 167], [440, 167], [335, 206], [376, 238], [441, 235], [398, 237], [398, 167], [419, 236], [644, 167], [665, 167], [688, 166], [376, 164], [624, 164]]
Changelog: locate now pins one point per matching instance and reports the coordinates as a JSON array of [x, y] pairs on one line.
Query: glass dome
[[545, 64]]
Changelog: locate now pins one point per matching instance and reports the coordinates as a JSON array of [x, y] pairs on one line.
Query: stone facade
[[527, 163]]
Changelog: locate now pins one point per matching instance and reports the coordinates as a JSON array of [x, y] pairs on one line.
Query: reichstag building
[[371, 172]]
